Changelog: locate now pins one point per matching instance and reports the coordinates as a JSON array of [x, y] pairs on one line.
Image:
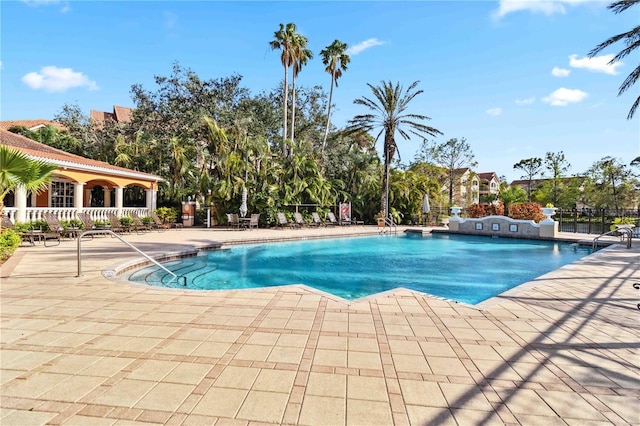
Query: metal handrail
[[388, 223], [107, 231], [628, 232]]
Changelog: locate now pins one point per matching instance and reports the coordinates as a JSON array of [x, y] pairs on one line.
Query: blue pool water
[[468, 269]]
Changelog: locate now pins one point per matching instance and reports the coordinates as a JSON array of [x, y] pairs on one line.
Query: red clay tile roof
[[57, 156], [488, 176], [123, 114], [30, 124], [120, 115]]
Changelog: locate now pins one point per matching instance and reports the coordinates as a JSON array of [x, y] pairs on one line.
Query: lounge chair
[[158, 224], [283, 222], [55, 227], [116, 225], [299, 220], [316, 220], [332, 219], [138, 225], [29, 236], [255, 218], [88, 224]]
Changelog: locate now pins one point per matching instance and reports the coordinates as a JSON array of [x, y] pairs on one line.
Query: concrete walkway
[[563, 349]]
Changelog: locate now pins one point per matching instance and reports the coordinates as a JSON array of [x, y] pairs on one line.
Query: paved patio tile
[[323, 410], [93, 351], [265, 407]]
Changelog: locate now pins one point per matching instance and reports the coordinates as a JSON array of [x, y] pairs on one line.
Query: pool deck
[[563, 349]]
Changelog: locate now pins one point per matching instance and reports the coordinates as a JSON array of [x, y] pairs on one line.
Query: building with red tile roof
[[30, 124], [120, 114], [79, 183]]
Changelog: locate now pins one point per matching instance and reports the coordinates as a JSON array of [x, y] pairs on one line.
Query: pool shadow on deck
[[588, 310]]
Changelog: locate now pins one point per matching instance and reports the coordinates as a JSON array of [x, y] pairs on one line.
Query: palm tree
[[301, 56], [632, 42], [17, 169], [283, 40], [336, 59], [389, 114]]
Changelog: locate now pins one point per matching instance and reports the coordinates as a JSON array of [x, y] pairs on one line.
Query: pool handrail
[[113, 234], [628, 232]]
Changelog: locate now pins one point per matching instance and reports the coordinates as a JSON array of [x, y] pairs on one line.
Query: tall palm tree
[[301, 56], [17, 169], [389, 107], [336, 59], [283, 40], [632, 42]]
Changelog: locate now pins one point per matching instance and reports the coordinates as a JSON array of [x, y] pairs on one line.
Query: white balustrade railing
[[68, 213]]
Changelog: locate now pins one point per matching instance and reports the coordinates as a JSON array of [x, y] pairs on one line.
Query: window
[[61, 194], [493, 185]]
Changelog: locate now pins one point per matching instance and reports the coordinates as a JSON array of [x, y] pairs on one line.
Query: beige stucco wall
[[502, 226]]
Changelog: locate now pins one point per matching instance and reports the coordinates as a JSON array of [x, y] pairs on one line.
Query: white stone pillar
[[20, 195], [119, 200], [107, 197], [78, 196], [152, 199]]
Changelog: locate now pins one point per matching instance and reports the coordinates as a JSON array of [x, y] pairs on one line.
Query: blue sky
[[510, 77]]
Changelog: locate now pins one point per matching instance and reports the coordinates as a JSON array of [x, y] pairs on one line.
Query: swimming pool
[[465, 268]]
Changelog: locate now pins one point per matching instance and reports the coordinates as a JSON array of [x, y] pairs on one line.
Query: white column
[[107, 197], [20, 195], [34, 199], [78, 196], [152, 199], [119, 200]]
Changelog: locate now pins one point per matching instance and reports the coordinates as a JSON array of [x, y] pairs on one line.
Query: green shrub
[[9, 242], [71, 223], [126, 221], [167, 214]]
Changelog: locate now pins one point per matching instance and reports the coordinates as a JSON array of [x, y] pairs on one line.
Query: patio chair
[[299, 220], [253, 223], [55, 227], [332, 219], [29, 236], [138, 225], [233, 220], [116, 225], [283, 222], [88, 224], [316, 220], [158, 224]]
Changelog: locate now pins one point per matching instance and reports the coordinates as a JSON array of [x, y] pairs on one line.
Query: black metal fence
[[592, 221]]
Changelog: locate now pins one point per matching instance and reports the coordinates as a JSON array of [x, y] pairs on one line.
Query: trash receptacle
[[188, 213]]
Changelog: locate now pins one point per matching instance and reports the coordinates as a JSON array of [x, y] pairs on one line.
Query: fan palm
[[301, 56], [336, 59], [17, 169], [283, 40], [632, 41], [389, 114]]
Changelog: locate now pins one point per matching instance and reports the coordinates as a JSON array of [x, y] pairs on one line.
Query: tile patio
[[87, 350]]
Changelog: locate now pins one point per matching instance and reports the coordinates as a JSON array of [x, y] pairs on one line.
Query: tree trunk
[[326, 131], [285, 108], [293, 108]]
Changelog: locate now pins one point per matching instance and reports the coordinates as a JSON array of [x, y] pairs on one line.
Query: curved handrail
[[628, 232], [108, 231]]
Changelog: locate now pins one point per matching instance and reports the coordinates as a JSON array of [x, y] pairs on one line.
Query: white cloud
[[560, 72], [494, 111], [596, 64], [564, 97], [548, 7], [65, 6], [361, 47], [526, 101], [54, 79]]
